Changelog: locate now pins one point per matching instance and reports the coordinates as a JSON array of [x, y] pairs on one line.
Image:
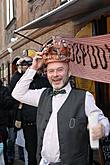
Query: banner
[[90, 57]]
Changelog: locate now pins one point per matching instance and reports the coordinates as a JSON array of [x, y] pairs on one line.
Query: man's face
[[58, 74], [22, 68]]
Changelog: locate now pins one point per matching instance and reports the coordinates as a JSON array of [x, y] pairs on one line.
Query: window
[[9, 10]]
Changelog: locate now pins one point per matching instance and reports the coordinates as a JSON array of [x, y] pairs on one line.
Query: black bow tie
[[56, 92]]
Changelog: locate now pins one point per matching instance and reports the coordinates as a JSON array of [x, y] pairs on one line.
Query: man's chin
[[57, 87]]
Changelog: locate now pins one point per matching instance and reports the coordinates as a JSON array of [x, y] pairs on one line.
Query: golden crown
[[56, 49]]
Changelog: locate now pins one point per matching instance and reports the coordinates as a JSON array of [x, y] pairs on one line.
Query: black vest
[[72, 127]]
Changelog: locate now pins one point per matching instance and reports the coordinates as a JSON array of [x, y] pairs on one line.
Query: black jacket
[[12, 112], [5, 105], [28, 113]]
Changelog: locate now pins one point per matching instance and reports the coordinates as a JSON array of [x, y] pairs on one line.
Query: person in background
[[26, 115], [20, 141], [2, 162], [5, 105], [12, 130], [62, 116]]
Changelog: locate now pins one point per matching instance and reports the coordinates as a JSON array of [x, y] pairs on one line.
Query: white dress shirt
[[50, 149]]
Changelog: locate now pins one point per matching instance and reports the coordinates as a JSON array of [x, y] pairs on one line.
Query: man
[[62, 112]]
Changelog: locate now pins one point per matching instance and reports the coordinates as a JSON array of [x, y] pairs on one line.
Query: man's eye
[[57, 70], [50, 71], [60, 69]]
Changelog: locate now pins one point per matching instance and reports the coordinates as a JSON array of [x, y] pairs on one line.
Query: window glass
[[9, 10]]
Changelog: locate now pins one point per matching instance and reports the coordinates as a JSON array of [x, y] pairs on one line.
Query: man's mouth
[[57, 81]]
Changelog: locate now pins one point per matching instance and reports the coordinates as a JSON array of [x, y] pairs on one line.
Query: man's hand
[[97, 131], [37, 63], [18, 124]]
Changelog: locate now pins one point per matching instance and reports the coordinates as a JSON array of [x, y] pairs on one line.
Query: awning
[[73, 9]]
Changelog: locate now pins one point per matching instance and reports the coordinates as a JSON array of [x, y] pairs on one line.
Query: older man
[[62, 111]]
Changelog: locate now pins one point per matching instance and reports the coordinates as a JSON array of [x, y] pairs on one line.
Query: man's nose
[[55, 73]]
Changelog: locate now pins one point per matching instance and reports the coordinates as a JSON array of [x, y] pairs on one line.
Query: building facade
[[14, 14], [76, 19]]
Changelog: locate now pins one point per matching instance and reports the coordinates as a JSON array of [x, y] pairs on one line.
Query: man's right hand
[[37, 63]]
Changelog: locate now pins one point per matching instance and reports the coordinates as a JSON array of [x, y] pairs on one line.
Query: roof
[[72, 10]]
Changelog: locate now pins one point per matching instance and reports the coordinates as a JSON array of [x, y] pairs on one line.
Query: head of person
[[23, 64], [56, 56]]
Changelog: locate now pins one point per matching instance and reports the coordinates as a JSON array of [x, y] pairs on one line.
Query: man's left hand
[[97, 131]]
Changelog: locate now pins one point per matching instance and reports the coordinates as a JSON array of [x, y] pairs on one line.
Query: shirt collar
[[67, 88]]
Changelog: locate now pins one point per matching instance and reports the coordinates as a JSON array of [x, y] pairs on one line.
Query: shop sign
[[90, 57]]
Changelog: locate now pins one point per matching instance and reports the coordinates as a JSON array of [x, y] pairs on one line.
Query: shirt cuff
[[31, 72], [106, 127]]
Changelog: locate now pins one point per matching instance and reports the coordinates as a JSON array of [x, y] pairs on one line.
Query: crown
[[56, 50]]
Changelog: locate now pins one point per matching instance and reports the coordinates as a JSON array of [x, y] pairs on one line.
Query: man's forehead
[[56, 65]]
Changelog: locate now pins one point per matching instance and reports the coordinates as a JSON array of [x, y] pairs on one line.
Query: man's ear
[[19, 69], [69, 73]]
